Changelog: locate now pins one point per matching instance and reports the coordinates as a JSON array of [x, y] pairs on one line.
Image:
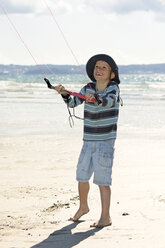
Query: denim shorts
[[96, 157]]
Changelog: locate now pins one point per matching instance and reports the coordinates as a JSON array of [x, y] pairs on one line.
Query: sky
[[131, 31]]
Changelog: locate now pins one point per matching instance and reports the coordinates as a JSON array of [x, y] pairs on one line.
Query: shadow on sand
[[64, 237]]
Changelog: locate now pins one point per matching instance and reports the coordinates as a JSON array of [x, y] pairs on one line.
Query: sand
[[38, 194]]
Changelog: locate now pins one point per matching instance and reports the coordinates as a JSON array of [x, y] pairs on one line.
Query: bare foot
[[102, 223], [79, 213]]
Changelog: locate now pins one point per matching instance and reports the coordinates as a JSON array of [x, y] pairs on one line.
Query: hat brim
[[91, 65]]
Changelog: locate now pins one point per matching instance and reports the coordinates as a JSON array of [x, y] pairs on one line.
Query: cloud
[[123, 7], [19, 7], [127, 6], [36, 6], [120, 7]]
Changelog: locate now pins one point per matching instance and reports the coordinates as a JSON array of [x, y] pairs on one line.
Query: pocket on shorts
[[106, 157]]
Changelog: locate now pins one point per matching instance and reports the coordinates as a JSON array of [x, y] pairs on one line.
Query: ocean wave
[[151, 87]]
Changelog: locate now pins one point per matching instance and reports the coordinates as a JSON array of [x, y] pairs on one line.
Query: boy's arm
[[110, 98], [74, 101]]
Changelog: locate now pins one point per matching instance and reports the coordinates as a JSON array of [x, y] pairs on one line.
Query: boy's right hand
[[59, 89], [89, 97]]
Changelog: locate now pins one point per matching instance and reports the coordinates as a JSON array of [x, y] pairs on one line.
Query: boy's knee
[[104, 187]]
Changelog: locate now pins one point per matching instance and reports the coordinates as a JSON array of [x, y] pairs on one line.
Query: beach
[[38, 158]]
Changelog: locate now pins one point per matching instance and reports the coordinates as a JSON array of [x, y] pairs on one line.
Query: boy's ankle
[[84, 207]]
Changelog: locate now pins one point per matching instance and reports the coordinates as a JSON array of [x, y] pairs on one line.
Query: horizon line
[[78, 65]]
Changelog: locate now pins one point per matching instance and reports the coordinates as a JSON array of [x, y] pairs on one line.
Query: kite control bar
[[69, 92]]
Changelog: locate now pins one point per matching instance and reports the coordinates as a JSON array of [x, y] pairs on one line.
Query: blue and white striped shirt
[[100, 120]]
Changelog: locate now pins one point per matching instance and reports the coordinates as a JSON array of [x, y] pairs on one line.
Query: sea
[[27, 106]]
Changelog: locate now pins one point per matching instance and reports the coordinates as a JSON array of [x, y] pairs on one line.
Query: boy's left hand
[[89, 97]]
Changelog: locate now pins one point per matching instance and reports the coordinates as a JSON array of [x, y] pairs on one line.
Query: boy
[[100, 127]]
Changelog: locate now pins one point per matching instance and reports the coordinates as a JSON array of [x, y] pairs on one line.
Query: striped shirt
[[100, 120]]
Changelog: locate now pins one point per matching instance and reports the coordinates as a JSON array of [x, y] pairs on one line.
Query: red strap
[[79, 95]]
